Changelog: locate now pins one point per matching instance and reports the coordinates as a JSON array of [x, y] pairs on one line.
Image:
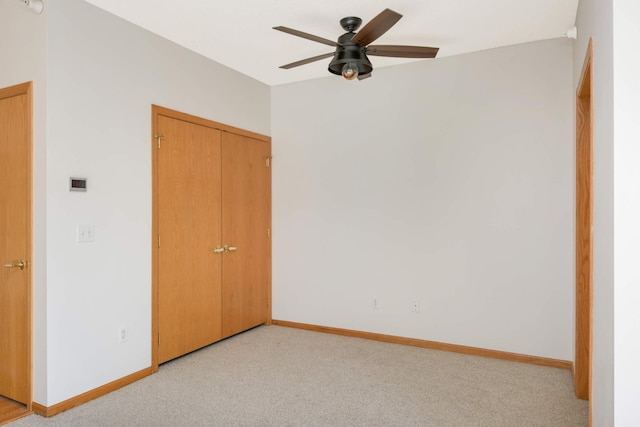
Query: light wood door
[[584, 231], [246, 220], [189, 229], [15, 242]]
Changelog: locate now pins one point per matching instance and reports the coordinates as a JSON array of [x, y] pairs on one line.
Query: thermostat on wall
[[77, 184]]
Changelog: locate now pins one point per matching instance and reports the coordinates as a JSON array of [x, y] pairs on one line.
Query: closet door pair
[[213, 222]]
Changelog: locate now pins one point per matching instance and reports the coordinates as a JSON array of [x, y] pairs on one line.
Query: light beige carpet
[[278, 376]]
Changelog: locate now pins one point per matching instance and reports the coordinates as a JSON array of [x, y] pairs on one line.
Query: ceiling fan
[[350, 57]]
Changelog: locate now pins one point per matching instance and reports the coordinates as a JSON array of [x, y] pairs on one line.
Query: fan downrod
[[350, 23]]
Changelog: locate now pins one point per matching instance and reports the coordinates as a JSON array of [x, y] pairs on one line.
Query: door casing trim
[[584, 230]]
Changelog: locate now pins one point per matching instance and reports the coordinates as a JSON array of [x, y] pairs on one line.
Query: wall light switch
[[85, 233]]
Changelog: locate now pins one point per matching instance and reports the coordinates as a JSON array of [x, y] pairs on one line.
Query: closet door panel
[[245, 223], [189, 228]]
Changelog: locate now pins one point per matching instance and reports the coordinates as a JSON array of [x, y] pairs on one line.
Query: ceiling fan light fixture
[[350, 71], [346, 59]]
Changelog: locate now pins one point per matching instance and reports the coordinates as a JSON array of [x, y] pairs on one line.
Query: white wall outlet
[[375, 303], [123, 335], [84, 233], [415, 306]]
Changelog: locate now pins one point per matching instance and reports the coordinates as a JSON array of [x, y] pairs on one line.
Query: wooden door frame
[[9, 92], [584, 230], [155, 138]]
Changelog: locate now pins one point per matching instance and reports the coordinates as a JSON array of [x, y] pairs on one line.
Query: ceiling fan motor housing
[[350, 52]]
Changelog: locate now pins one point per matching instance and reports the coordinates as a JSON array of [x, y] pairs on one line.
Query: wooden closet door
[[246, 218], [189, 229]]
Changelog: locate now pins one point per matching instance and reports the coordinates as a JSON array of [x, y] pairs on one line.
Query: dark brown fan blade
[[306, 36], [403, 51], [306, 61], [376, 27], [363, 76]]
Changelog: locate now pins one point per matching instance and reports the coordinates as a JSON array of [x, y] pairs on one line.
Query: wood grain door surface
[[15, 244], [245, 224], [189, 226], [213, 204]]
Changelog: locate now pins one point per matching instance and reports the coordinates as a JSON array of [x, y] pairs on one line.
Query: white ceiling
[[239, 34]]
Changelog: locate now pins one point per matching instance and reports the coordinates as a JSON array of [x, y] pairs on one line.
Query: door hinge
[[158, 240], [159, 138], [268, 161], [269, 232], [158, 338]]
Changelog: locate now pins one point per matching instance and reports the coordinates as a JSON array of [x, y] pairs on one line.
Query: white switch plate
[[85, 233], [123, 334]]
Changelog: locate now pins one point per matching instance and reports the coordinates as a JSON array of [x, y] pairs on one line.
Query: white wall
[[23, 52], [626, 155], [595, 19], [450, 182], [104, 74]]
